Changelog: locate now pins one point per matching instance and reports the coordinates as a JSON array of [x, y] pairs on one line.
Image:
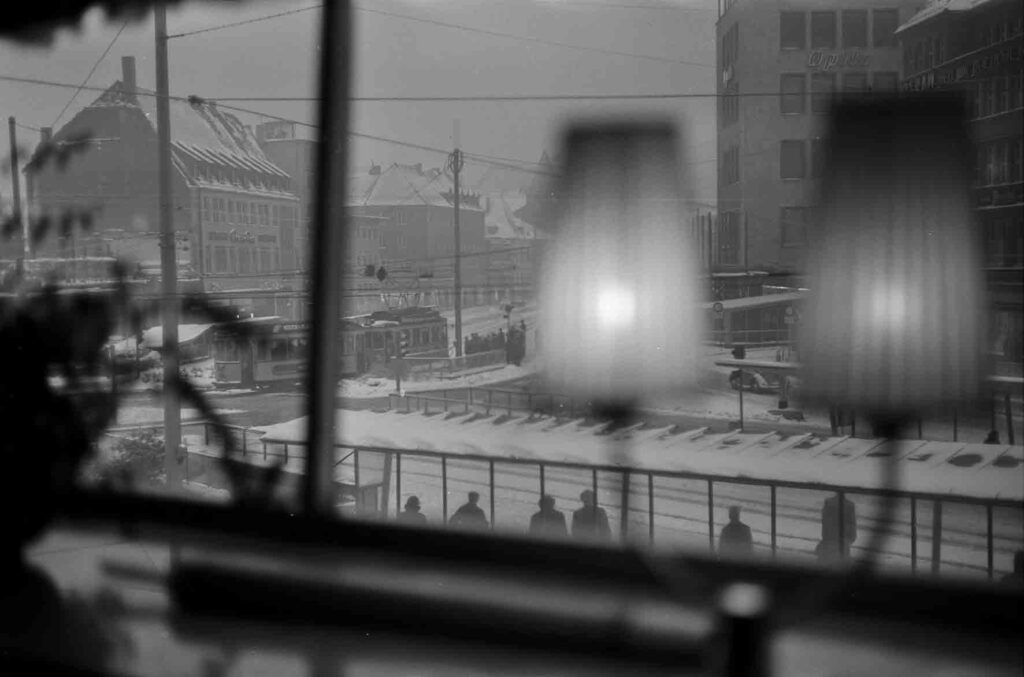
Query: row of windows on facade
[[223, 259], [999, 161], [239, 177], [931, 51], [793, 89], [247, 213], [827, 27], [995, 96], [1004, 235]]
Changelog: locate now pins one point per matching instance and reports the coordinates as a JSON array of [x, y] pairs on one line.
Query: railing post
[[489, 394], [711, 515], [936, 537], [245, 441], [206, 433], [774, 530], [398, 483], [913, 534], [989, 541], [542, 491], [594, 484], [491, 474], [1009, 418], [955, 431], [286, 452], [509, 393], [624, 507], [444, 488], [444, 399], [650, 507], [841, 516]]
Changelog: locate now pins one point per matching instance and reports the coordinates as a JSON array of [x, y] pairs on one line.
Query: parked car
[[754, 381]]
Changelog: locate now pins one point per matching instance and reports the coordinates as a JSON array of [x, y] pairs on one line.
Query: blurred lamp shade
[[619, 288], [894, 321]]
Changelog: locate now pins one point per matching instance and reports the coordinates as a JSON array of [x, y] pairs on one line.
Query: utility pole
[[168, 258], [16, 187], [455, 165]]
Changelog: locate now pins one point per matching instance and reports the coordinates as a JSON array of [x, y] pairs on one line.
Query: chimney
[[45, 134], [128, 73]]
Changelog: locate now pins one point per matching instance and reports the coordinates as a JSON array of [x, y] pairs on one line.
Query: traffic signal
[[739, 352], [403, 344]]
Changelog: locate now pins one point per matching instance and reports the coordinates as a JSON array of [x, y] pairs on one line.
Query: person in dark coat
[[470, 515], [590, 522], [412, 514], [992, 438], [548, 521], [830, 548], [735, 539], [1017, 577]]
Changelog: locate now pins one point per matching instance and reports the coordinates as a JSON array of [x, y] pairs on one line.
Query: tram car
[[771, 319], [271, 351]]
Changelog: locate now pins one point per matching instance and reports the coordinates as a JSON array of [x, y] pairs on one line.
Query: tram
[[770, 319], [271, 351]]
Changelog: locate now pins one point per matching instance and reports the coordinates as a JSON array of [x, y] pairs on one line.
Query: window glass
[[792, 159], [279, 350], [793, 226], [855, 28], [884, 25], [793, 30], [855, 83], [793, 99], [823, 86], [823, 30]]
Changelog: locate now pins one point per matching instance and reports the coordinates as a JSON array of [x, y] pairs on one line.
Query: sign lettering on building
[[830, 61]]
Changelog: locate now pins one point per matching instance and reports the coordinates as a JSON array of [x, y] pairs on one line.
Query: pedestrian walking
[[547, 521], [412, 514], [470, 515], [590, 522], [992, 438], [832, 547], [735, 539]]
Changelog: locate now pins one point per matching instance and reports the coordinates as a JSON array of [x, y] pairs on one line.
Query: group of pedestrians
[[513, 343], [589, 522], [736, 539]]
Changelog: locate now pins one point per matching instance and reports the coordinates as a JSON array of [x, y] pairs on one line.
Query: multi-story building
[[780, 65], [975, 46], [234, 210], [296, 156], [415, 242]]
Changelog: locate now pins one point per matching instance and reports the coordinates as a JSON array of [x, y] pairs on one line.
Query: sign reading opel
[[830, 61]]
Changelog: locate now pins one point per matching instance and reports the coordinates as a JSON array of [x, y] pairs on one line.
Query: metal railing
[[919, 526], [447, 366]]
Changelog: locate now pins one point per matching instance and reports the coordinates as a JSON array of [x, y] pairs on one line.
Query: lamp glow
[[616, 307], [894, 322], [619, 287]]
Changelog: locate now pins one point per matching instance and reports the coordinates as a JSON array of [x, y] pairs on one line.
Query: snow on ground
[[199, 373], [373, 387], [154, 415]]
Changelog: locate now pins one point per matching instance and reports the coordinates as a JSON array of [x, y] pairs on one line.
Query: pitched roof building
[[235, 211]]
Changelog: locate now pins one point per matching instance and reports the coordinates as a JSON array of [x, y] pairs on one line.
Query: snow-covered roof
[[400, 185], [200, 131], [937, 7], [501, 220], [955, 469], [154, 336]]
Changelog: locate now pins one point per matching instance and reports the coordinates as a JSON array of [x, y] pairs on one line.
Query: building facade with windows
[[233, 209], [780, 65], [976, 47]]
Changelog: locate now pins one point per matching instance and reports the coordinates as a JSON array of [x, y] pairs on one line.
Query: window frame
[[792, 145], [783, 96], [833, 27], [803, 31], [844, 16], [817, 108], [879, 41]]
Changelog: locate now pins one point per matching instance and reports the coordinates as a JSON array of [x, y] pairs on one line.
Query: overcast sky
[[399, 56]]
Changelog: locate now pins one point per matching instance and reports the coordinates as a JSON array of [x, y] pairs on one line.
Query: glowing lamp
[[619, 288], [893, 324]]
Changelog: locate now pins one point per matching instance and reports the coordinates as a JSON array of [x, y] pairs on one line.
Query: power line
[[614, 5], [91, 71], [486, 97], [526, 38], [219, 27]]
